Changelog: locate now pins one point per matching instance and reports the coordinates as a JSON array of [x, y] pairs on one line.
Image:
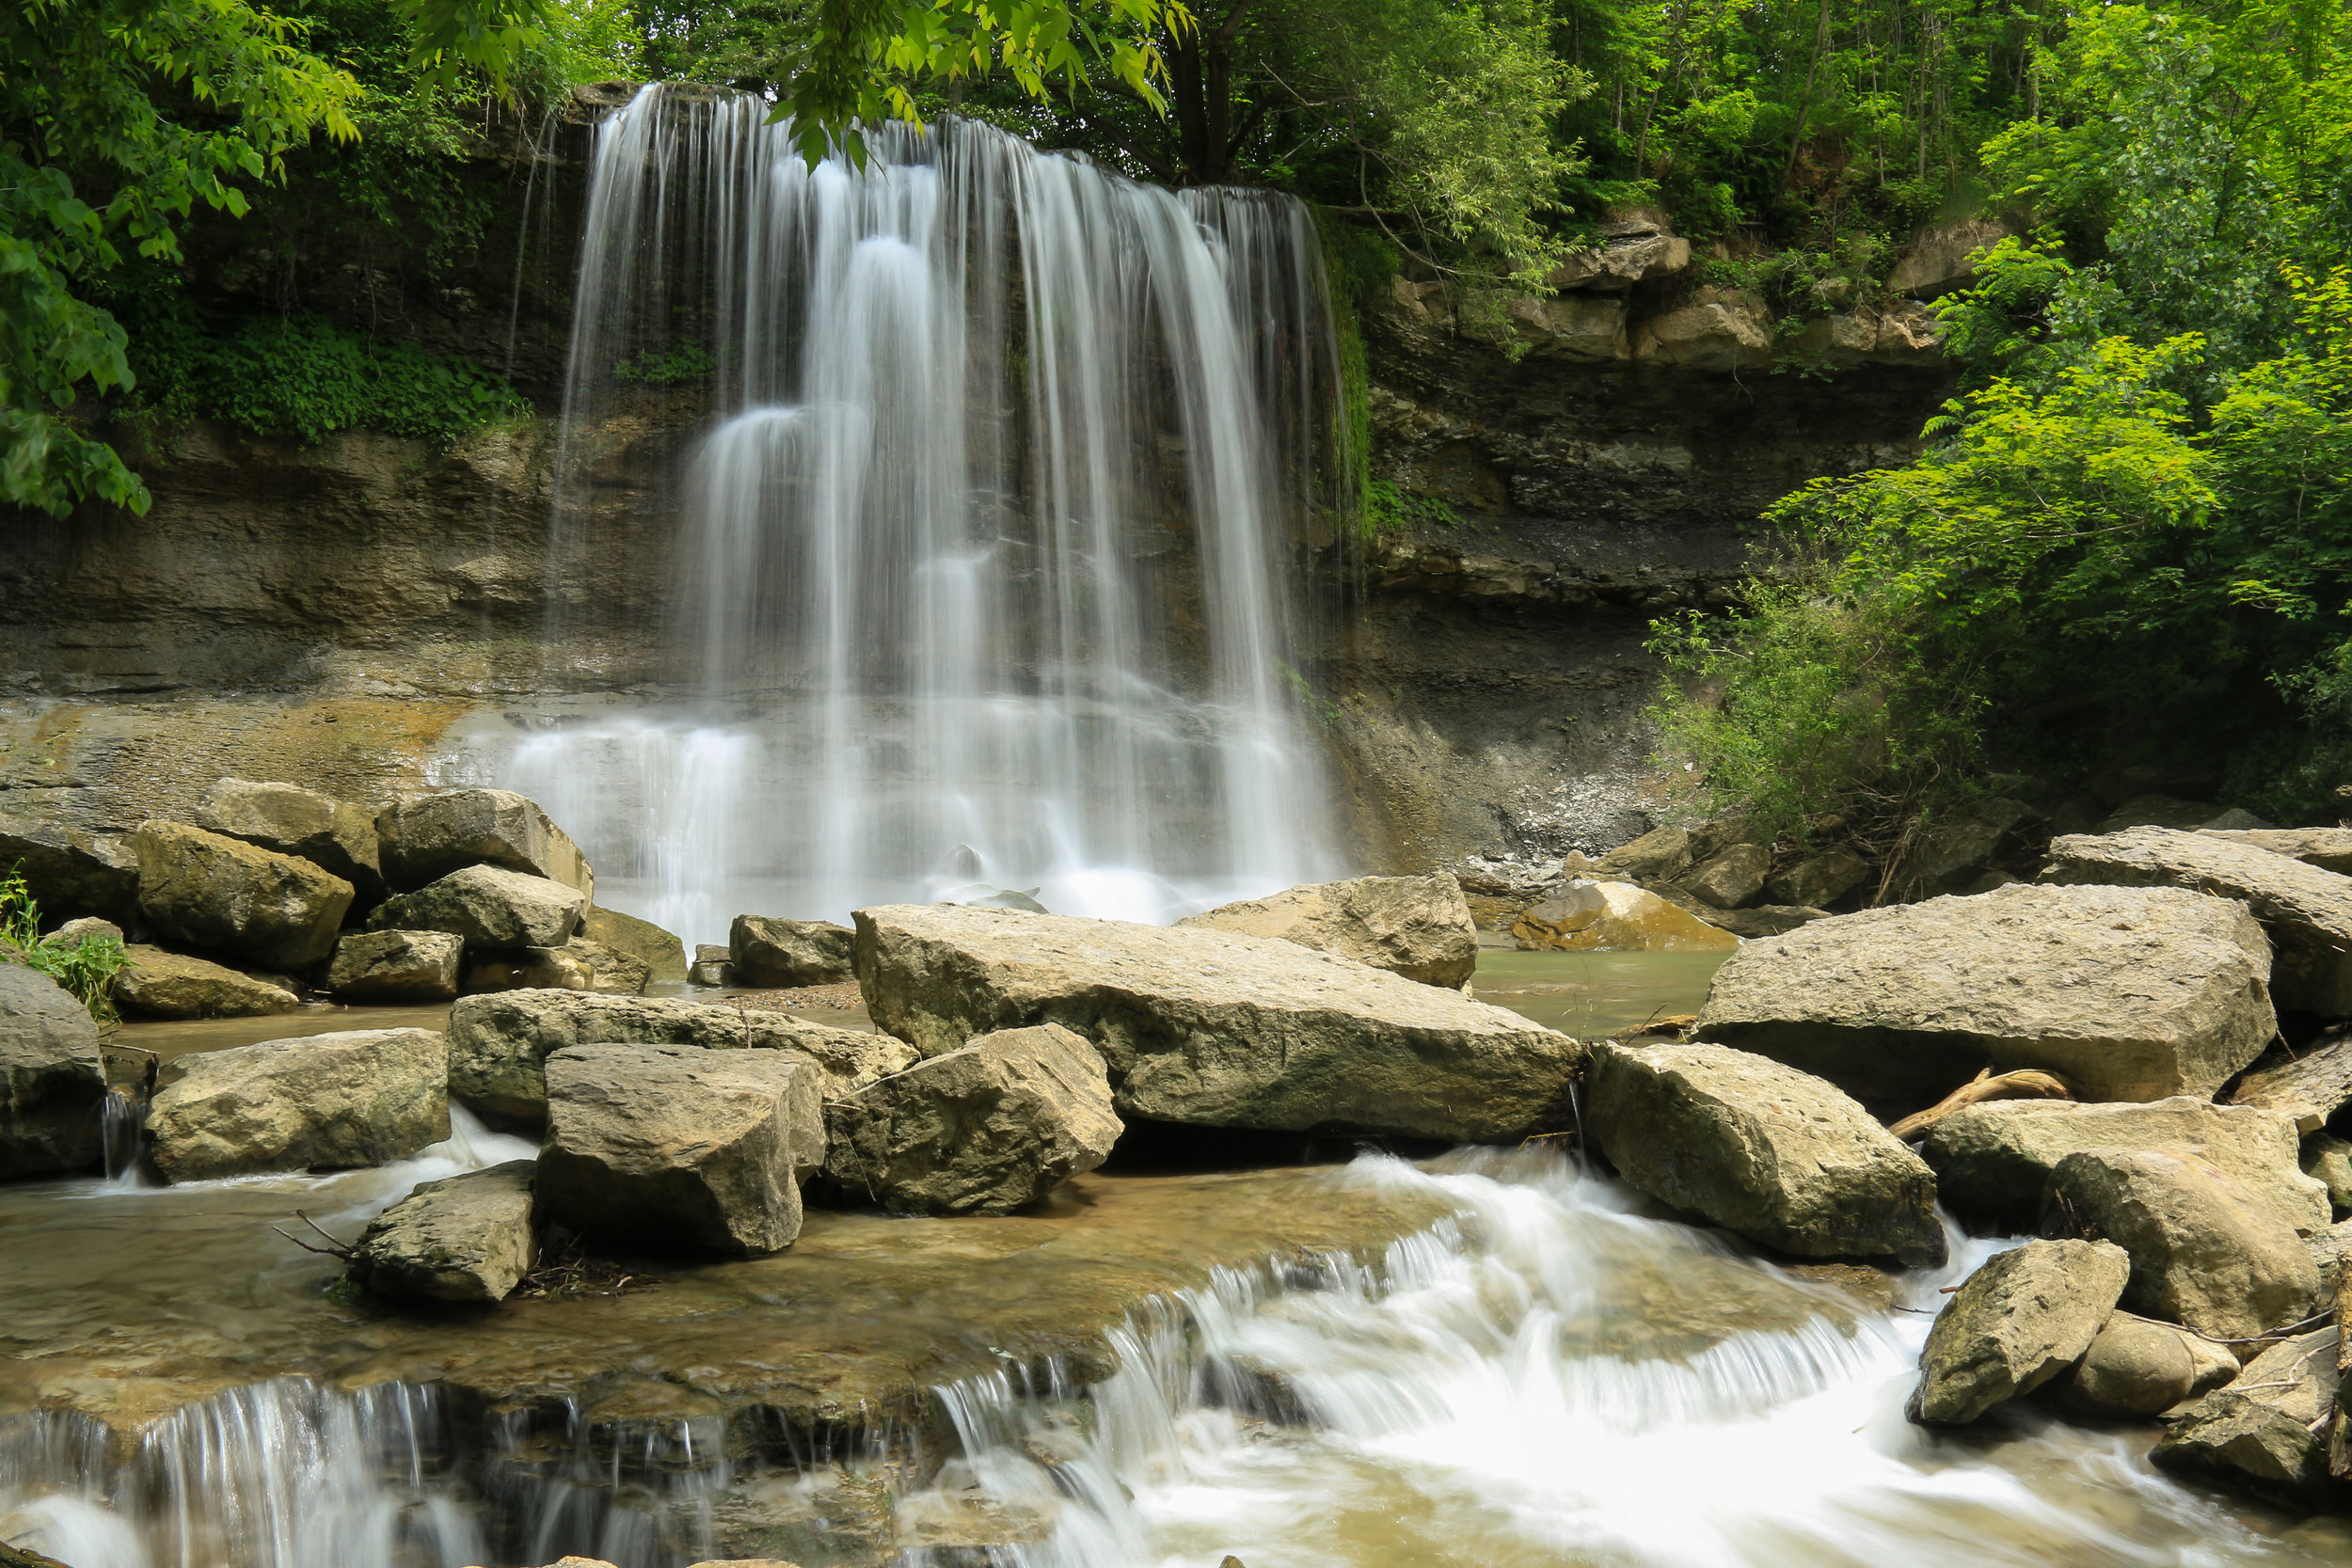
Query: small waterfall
[[984, 538]]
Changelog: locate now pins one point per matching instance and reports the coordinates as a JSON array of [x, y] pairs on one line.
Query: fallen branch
[[2023, 1083], [334, 1247]]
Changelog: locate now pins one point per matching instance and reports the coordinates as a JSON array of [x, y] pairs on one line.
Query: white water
[[983, 539]]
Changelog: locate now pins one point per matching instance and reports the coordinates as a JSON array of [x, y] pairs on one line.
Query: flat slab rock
[[155, 983], [1213, 1029], [424, 839], [487, 906], [1417, 926], [2128, 993], [2329, 848], [465, 1238]]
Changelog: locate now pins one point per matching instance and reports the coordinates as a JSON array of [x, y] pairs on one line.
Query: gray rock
[[2206, 1252], [361, 1097], [1217, 1030], [2308, 911], [2025, 1317], [981, 1130], [465, 1238], [2329, 1162], [580, 964], [788, 953], [2268, 1429], [2140, 1366], [1762, 1149], [2329, 848], [70, 873], [334, 835], [1731, 878], [663, 954], [2311, 1087], [2129, 993], [1817, 883], [1659, 855], [1993, 1161], [488, 906], [214, 891], [395, 966], [53, 1080], [1417, 926], [676, 1147], [156, 983], [425, 839], [497, 1043]]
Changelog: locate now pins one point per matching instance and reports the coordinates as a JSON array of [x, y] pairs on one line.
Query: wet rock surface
[[220, 894], [790, 953], [158, 984], [425, 839], [52, 1078], [488, 906], [2025, 1317], [464, 1238], [362, 1097], [396, 966], [1417, 926]]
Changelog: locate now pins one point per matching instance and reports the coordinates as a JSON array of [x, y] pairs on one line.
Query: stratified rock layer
[[1417, 926]]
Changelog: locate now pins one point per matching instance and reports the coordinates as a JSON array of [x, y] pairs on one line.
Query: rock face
[[467, 1238], [172, 985], [2025, 1317], [981, 1130], [2311, 1087], [790, 953], [425, 839], [2329, 848], [1417, 926], [675, 1146], [363, 1097], [580, 964], [52, 1078], [1760, 1149], [1217, 1030], [395, 966], [1993, 1161], [71, 873], [2129, 993], [2140, 1366], [1614, 917], [497, 1043], [488, 906], [2206, 1252], [214, 891], [2270, 1428], [663, 954], [2306, 911], [333, 836]]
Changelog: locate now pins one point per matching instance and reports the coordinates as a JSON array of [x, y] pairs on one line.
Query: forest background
[[2128, 540]]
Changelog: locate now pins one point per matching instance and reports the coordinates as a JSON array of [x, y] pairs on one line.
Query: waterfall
[[982, 536]]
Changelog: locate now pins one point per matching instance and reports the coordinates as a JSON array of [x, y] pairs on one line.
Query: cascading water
[[982, 543]]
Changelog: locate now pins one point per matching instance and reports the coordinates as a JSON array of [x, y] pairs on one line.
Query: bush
[[87, 969]]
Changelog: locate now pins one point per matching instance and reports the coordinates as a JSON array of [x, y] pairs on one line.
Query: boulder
[[497, 1043], [2308, 911], [157, 984], [578, 965], [1993, 1161], [713, 966], [53, 1080], [1616, 266], [663, 954], [71, 873], [425, 839], [334, 835], [2206, 1252], [84, 928], [2268, 1429], [362, 1097], [1941, 258], [675, 1146], [2140, 1366], [1817, 883], [1417, 926], [1211, 1029], [488, 906], [981, 1130], [2022, 1318], [395, 966], [2329, 1162], [214, 891], [2329, 848], [465, 1238], [2328, 1249], [1614, 917], [2311, 1087], [1731, 878], [2128, 993], [790, 953], [1722, 329], [1655, 856], [1762, 1149]]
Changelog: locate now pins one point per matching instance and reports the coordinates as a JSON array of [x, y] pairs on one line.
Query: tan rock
[[771, 951], [2267, 1430], [1615, 267], [395, 966], [425, 839], [488, 906], [157, 984], [1724, 330], [2329, 848], [1571, 326], [1820, 882], [1731, 876], [2027, 1315], [2329, 1162], [1942, 258], [663, 954], [2140, 1367], [1417, 926], [223, 894], [2311, 1087], [465, 1238], [1614, 917], [359, 1097], [52, 1079], [1655, 856], [70, 873], [581, 964], [334, 835]]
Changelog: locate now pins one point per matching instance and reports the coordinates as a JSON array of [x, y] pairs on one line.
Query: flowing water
[[984, 536]]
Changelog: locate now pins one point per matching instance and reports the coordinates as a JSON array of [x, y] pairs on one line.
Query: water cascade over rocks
[[982, 543]]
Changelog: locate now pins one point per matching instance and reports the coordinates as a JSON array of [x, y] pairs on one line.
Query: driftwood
[[2023, 1083]]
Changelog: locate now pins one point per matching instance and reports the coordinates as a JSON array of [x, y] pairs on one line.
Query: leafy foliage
[[86, 968]]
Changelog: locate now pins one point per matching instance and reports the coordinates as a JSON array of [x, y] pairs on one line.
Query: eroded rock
[[425, 839], [333, 836], [1820, 882], [465, 1238], [223, 894], [787, 952], [1729, 877], [1655, 856], [359, 1097], [53, 1080], [2329, 848], [1417, 926], [2027, 1315], [488, 906], [2329, 1162], [157, 984], [395, 966]]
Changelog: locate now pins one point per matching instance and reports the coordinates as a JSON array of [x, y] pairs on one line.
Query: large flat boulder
[[334, 835], [70, 873], [981, 1130], [2267, 1430], [465, 1238], [1217, 1030], [661, 952], [488, 906], [395, 966], [2027, 1315], [1581, 916], [2140, 1367], [677, 1146], [1417, 926], [788, 953], [2207, 1253], [153, 982], [498, 1043], [360, 1097], [425, 839], [223, 894], [2306, 911], [2311, 1087], [51, 1079], [2329, 848], [1760, 1149], [2128, 993], [1993, 1161]]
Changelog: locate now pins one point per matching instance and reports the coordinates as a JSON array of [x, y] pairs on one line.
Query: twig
[[334, 1247]]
